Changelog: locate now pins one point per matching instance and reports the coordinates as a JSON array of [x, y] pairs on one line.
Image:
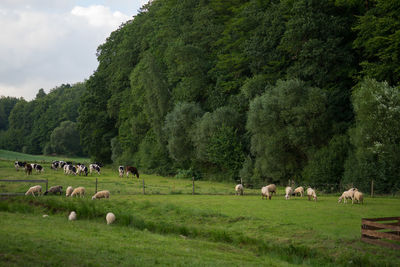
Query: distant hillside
[[11, 155]]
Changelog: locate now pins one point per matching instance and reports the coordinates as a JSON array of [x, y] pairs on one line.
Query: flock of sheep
[[71, 192], [267, 191]]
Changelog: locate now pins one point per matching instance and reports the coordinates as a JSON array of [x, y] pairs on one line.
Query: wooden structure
[[381, 231]]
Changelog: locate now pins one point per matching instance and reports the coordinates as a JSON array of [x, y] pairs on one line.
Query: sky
[[46, 43]]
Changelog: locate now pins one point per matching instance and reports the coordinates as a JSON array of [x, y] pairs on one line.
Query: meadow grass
[[13, 156], [275, 232]]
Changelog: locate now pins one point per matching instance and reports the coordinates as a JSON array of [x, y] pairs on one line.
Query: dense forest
[[262, 91]]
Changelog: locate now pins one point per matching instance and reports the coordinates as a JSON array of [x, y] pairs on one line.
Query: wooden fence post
[[372, 188], [193, 185], [144, 192], [96, 186]]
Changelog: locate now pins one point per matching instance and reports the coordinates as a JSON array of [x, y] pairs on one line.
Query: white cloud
[[43, 47], [100, 16]]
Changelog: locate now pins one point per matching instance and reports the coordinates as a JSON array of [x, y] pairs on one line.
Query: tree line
[[262, 91], [45, 125]]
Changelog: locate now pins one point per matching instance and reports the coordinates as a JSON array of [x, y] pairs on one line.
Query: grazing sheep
[[311, 193], [239, 189], [289, 192], [72, 216], [69, 191], [349, 194], [272, 188], [33, 190], [78, 191], [358, 196], [110, 218], [299, 190], [54, 190], [265, 193], [101, 194]]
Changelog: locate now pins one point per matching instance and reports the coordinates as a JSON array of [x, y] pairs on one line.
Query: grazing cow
[[121, 171], [132, 170], [70, 169], [94, 167], [38, 168], [82, 169], [19, 164], [55, 164], [99, 164], [28, 169]]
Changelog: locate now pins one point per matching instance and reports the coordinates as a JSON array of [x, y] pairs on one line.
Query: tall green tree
[[375, 137], [378, 38], [287, 124]]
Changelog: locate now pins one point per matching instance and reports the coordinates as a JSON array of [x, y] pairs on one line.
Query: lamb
[[299, 190], [110, 218], [311, 193], [347, 194], [78, 191], [33, 190], [54, 190], [358, 196], [101, 194], [72, 216], [265, 193], [289, 192], [69, 191], [239, 189]]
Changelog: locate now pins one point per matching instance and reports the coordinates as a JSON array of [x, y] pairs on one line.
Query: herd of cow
[[78, 168]]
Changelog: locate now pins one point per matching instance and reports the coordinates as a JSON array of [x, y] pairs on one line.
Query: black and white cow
[[94, 167], [19, 164], [121, 171], [38, 168], [54, 164], [71, 169], [82, 169]]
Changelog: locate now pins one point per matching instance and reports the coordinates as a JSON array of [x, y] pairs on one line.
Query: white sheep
[[101, 194], [72, 216], [311, 193], [349, 194], [358, 196], [33, 190], [110, 218], [299, 190], [69, 191], [289, 192], [78, 191], [239, 189], [272, 188]]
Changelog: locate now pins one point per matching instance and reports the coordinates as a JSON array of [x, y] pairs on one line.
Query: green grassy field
[[170, 226], [11, 155]]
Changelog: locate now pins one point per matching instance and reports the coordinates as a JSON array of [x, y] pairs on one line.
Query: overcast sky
[[45, 43]]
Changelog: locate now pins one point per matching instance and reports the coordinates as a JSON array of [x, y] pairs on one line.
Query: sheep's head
[[340, 199]]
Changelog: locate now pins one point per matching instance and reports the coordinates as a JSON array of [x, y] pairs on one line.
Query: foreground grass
[[54, 241], [278, 232]]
